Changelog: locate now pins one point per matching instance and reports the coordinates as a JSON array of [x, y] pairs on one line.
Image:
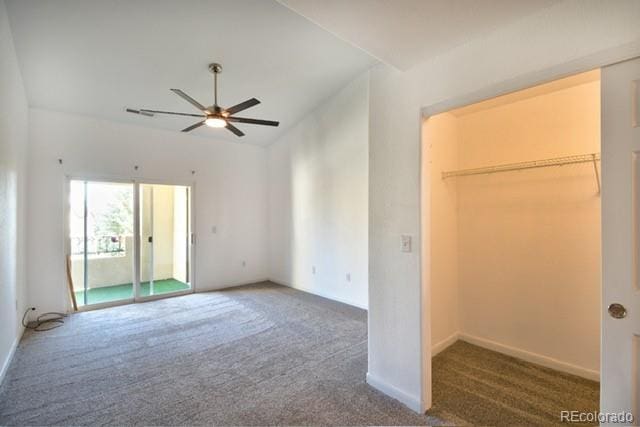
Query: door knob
[[617, 311]]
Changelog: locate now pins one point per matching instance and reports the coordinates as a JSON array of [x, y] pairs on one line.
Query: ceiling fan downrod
[[216, 69]]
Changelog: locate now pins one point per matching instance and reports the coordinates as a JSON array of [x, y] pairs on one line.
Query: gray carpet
[[252, 355], [483, 387]]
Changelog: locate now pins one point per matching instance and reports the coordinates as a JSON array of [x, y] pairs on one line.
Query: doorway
[[128, 241], [514, 235]]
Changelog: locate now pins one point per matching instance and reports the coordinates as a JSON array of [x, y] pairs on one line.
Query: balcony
[[110, 267]]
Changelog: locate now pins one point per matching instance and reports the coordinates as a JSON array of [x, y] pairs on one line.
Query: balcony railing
[[99, 245]]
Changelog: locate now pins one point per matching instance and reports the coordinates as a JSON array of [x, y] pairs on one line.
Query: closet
[[513, 185]]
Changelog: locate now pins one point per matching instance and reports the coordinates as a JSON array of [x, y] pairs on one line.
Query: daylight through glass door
[[101, 241], [102, 245], [164, 239]]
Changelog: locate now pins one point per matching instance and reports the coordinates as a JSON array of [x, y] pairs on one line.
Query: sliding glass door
[[165, 242], [101, 241], [123, 248]]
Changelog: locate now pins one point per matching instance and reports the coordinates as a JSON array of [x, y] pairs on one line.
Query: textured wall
[[318, 199], [13, 149]]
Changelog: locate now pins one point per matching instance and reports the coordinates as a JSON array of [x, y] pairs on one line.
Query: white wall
[[529, 243], [230, 194], [13, 149], [525, 245], [440, 133], [318, 199], [561, 39]]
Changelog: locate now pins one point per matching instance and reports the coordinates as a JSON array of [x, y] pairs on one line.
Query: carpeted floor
[[483, 387], [253, 355], [125, 291]]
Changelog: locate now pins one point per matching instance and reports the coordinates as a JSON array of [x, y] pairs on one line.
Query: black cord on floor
[[44, 322]]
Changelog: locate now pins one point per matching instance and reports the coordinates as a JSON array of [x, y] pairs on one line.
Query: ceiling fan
[[213, 116]]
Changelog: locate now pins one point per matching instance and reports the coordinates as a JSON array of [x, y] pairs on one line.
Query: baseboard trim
[[406, 399], [320, 294], [9, 358], [442, 345], [203, 289], [528, 356]]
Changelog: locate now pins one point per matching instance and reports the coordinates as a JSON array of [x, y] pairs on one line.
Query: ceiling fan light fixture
[[215, 122], [213, 116]]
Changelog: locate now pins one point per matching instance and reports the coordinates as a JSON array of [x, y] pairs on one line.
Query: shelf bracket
[[595, 169]]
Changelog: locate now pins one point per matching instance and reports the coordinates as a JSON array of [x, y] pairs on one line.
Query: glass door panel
[[165, 248], [101, 241]]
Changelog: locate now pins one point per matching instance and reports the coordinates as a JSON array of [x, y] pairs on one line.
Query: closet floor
[[482, 387]]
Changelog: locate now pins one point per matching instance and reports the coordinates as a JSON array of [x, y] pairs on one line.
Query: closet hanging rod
[[557, 161]]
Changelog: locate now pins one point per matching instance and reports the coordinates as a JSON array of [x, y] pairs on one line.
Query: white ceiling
[[403, 33], [97, 57]]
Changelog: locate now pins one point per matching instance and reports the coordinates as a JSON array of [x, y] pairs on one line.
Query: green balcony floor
[[125, 291]]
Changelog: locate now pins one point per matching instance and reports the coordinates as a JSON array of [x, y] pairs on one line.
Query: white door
[[620, 365]]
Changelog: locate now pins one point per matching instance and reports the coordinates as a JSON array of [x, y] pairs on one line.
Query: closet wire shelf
[[556, 161]]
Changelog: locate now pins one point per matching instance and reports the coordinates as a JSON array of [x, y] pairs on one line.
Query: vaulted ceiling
[[403, 33], [97, 57]]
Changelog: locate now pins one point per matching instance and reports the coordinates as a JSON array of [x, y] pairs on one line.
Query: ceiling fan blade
[[193, 126], [189, 99], [242, 106], [152, 112], [252, 121], [141, 112], [234, 129]]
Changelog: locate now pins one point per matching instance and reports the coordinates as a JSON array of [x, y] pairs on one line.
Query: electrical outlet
[[348, 277], [244, 263], [406, 243]]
